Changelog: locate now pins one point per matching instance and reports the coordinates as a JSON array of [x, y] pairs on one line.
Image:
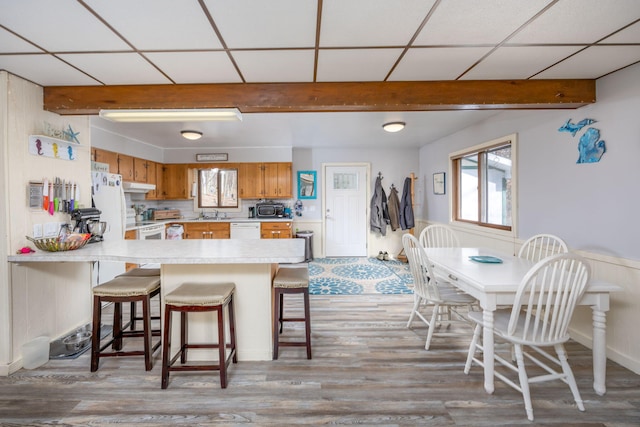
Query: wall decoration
[[590, 147], [438, 183], [307, 186], [65, 134], [575, 127], [45, 146]]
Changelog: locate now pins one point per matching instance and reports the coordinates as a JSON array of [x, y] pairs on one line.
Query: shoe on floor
[[380, 256], [385, 256]]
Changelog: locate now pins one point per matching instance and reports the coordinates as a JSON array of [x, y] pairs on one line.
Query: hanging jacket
[[394, 209], [406, 207], [379, 211]]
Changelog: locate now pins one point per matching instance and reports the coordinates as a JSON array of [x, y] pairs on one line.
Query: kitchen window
[[484, 184], [218, 188]]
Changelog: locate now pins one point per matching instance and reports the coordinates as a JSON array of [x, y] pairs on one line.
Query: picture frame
[[439, 183], [307, 185], [212, 157]]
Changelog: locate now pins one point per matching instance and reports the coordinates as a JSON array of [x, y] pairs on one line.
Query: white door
[[345, 209]]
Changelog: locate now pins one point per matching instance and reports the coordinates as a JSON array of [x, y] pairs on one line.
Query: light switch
[[37, 231]]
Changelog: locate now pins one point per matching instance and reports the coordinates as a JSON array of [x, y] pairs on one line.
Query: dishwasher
[[245, 230]]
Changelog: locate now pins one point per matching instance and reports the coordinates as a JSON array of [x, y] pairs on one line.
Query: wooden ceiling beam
[[327, 97]]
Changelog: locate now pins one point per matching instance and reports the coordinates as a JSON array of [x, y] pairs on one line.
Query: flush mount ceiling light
[[182, 115], [393, 126], [191, 134]]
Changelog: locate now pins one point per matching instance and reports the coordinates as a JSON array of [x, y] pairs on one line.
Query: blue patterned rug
[[358, 275]]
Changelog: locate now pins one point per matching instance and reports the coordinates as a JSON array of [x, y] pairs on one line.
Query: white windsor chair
[[540, 317]]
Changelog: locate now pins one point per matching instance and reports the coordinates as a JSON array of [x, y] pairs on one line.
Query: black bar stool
[[139, 272], [199, 297], [122, 290], [290, 281]]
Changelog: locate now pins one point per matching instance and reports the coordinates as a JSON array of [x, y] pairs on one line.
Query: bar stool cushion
[[141, 272], [291, 278], [124, 286], [203, 294]]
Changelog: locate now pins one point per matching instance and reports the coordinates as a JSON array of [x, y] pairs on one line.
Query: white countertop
[[187, 251]]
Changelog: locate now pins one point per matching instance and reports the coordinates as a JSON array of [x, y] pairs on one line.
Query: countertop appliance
[[270, 210], [245, 230], [83, 217], [108, 197]]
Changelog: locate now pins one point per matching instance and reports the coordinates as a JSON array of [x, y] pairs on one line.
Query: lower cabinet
[[130, 235], [207, 230], [275, 230]]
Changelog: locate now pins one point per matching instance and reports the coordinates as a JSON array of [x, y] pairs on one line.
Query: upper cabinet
[[177, 181], [104, 156], [154, 176], [125, 167], [265, 181]]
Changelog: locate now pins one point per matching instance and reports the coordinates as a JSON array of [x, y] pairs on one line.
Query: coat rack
[[401, 256]]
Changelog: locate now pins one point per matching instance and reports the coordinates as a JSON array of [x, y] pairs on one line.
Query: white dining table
[[496, 285]]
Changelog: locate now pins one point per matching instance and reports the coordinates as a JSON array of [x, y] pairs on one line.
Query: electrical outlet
[[37, 231], [51, 229]]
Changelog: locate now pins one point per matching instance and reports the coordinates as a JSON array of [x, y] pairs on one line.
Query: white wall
[[394, 164], [592, 206], [33, 310]]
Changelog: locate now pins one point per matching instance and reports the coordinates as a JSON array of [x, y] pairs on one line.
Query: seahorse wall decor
[[590, 147]]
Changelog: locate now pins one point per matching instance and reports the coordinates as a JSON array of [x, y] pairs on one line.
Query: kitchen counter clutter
[[250, 264]]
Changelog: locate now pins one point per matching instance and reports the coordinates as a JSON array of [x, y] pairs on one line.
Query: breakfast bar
[[250, 264]]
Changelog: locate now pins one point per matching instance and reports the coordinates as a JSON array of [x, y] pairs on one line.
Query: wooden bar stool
[[133, 313], [290, 281], [199, 297], [121, 290]]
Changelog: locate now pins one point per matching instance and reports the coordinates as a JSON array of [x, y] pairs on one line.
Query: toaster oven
[[270, 210]]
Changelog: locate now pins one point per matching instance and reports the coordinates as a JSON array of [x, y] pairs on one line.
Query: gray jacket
[[379, 211], [406, 207]]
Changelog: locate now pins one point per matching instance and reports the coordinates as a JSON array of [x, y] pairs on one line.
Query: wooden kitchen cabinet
[[104, 156], [277, 180], [177, 181], [130, 235], [250, 181], [275, 230], [140, 169], [154, 176], [125, 167], [264, 180], [207, 230]]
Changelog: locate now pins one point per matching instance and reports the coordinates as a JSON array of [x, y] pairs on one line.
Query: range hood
[[137, 187]]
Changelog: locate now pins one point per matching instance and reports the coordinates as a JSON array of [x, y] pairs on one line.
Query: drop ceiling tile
[[116, 68], [44, 70], [59, 26], [579, 21], [518, 62], [196, 67], [491, 21], [593, 62], [275, 66], [159, 24], [630, 34], [349, 65], [436, 63], [260, 24], [10, 43], [371, 22]]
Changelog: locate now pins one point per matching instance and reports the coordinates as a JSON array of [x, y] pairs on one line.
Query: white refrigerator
[[108, 197]]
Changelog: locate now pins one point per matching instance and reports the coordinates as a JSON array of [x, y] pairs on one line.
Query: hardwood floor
[[367, 369]]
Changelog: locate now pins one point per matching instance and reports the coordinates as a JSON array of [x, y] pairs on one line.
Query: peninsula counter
[[250, 264]]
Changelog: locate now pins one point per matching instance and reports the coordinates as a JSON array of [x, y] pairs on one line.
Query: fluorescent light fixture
[[184, 115], [191, 134], [393, 126]]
